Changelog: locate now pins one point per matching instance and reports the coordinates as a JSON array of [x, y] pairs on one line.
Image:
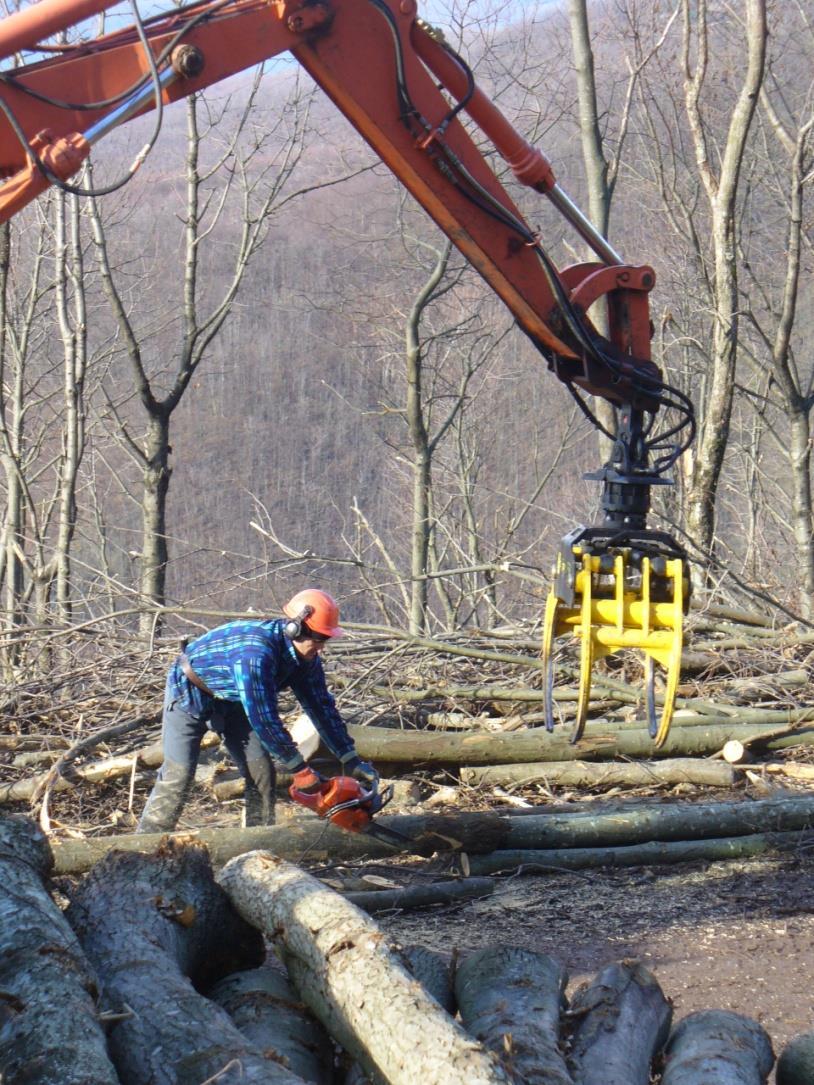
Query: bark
[[624, 1020], [511, 1000], [719, 1048], [267, 1010], [49, 1028], [655, 853], [346, 973], [155, 927], [796, 1065], [433, 971], [378, 744], [586, 774], [420, 896]]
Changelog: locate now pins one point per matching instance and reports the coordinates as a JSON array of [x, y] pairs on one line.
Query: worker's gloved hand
[[307, 780], [362, 771]]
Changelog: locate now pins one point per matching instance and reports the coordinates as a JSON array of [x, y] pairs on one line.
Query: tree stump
[[49, 1029], [796, 1065], [623, 1021], [511, 1000], [719, 1048], [154, 926], [341, 964], [270, 1014]]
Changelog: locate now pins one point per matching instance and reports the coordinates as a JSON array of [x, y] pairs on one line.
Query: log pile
[[187, 995]]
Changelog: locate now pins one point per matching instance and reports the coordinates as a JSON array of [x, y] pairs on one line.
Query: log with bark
[[341, 964], [472, 832], [270, 1014], [378, 744], [590, 774], [796, 1064], [155, 927], [511, 999], [623, 1020], [49, 1026], [718, 1047], [422, 895], [652, 854]]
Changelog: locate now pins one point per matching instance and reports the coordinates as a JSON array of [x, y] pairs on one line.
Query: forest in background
[[205, 376]]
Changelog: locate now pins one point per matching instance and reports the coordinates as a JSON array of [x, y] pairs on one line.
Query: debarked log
[[623, 1020], [796, 1064], [341, 964], [720, 1048], [155, 926], [652, 854], [270, 1014], [49, 1027], [511, 1000], [590, 774], [378, 744]]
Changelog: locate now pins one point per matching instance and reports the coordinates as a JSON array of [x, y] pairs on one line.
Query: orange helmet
[[316, 609]]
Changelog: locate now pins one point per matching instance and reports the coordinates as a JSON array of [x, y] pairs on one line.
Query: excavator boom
[[407, 93]]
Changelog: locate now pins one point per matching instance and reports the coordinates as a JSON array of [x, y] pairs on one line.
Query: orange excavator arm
[[617, 585]]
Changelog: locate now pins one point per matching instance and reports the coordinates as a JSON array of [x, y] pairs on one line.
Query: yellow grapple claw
[[631, 606]]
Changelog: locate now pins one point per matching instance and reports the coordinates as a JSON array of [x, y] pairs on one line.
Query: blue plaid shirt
[[250, 661]]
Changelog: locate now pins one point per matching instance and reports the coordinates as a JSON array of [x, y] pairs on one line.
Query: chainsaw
[[347, 804]]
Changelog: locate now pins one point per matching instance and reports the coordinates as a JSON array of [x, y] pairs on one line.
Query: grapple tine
[[547, 658], [586, 650], [675, 571], [650, 695]]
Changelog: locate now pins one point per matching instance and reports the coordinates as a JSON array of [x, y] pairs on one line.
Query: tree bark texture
[[341, 964], [719, 1048], [378, 744], [623, 1021], [511, 999], [589, 774], [270, 1014], [655, 853], [155, 927], [420, 896], [796, 1064], [49, 1028]]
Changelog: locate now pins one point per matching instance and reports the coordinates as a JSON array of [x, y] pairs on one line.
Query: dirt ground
[[734, 935]]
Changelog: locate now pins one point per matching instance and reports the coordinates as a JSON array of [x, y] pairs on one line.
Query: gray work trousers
[[182, 732]]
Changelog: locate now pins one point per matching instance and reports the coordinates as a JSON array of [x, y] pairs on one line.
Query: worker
[[227, 681]]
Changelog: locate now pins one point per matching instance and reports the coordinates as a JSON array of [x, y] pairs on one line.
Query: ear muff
[[293, 627]]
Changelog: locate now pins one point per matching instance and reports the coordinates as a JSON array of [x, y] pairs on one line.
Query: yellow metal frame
[[610, 621]]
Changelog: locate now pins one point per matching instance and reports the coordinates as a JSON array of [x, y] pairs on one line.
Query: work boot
[[166, 801], [259, 798]]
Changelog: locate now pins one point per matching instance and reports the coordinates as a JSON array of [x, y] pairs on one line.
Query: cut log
[[511, 999], [590, 774], [421, 896], [474, 833], [341, 964], [378, 744], [270, 1014], [796, 1065], [623, 1021], [652, 854], [154, 926], [719, 1048], [49, 1028]]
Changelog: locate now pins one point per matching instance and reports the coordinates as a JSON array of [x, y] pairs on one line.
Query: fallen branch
[[421, 896]]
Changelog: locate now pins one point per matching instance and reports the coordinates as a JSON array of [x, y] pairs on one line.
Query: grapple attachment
[[626, 590]]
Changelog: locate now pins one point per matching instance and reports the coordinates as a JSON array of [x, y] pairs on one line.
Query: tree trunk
[[428, 748], [796, 1065], [346, 973], [623, 1021], [267, 1010], [155, 927], [156, 483], [49, 1029], [655, 853], [419, 896], [511, 1000], [589, 775], [718, 1048]]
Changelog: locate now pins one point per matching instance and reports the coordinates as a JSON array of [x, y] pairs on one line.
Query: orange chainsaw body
[[341, 800]]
